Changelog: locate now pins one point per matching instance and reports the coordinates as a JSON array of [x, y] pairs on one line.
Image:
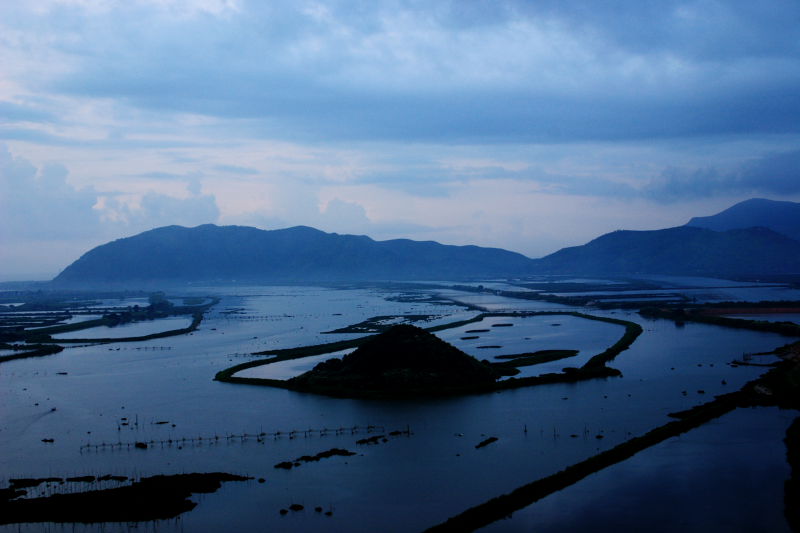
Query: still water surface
[[698, 482], [408, 483]]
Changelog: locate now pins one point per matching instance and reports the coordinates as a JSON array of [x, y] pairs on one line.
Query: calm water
[[530, 334], [288, 369], [436, 472], [707, 475], [134, 329]]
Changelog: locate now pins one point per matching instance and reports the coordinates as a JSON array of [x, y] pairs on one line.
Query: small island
[[402, 361], [419, 364]]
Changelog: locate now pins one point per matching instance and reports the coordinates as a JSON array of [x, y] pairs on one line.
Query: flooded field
[[698, 474], [136, 329], [96, 402]]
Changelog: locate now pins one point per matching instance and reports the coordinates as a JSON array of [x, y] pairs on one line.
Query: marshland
[[81, 412]]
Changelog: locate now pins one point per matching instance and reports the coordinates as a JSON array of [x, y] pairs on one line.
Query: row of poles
[[231, 437]]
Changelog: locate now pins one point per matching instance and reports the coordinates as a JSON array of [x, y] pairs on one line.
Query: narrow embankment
[[778, 387], [595, 367], [503, 506]]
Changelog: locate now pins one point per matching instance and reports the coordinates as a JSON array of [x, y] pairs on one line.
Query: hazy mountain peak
[[779, 216]]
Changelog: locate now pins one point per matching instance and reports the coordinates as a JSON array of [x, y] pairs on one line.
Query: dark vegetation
[[150, 498], [34, 350], [404, 360], [38, 324], [377, 324], [485, 442], [534, 358], [197, 317], [375, 439], [333, 452], [705, 315]]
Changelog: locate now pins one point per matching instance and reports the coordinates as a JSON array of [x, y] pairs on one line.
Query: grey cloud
[[687, 28], [338, 216], [169, 175], [31, 134], [740, 62], [11, 112], [159, 210], [35, 135], [39, 204], [773, 174], [592, 186], [430, 179], [234, 169], [776, 173]]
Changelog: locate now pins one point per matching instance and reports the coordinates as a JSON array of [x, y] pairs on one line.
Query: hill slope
[[245, 254], [781, 217], [403, 360], [686, 251]]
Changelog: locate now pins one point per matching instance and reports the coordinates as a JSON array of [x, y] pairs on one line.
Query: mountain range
[[298, 254], [754, 238]]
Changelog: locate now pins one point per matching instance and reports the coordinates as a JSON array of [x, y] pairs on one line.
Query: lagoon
[[436, 471]]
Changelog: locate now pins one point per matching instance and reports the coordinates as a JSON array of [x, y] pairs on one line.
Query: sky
[[526, 125]]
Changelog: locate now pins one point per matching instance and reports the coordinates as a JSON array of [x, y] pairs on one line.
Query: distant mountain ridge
[[298, 254], [680, 251], [750, 239], [756, 237], [779, 216]]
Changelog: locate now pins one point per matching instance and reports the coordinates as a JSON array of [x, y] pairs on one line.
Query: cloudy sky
[[528, 125]]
